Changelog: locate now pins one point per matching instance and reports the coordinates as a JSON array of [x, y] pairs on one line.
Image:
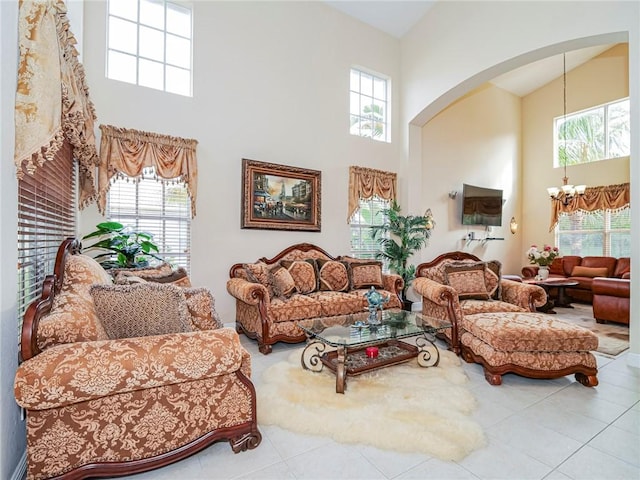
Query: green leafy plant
[[124, 246], [399, 237]]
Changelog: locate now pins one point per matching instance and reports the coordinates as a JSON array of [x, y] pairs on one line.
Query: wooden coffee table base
[[350, 362]]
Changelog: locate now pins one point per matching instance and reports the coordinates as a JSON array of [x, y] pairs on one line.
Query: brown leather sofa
[[611, 299], [583, 270]]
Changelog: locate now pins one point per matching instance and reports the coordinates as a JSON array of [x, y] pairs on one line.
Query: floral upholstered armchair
[[119, 379], [458, 284]]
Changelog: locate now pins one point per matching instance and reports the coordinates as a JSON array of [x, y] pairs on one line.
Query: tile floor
[[536, 429]]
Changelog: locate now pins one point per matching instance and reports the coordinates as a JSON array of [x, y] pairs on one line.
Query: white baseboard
[[21, 469], [633, 360]]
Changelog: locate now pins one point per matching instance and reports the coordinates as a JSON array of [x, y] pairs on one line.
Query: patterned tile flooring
[[537, 429]]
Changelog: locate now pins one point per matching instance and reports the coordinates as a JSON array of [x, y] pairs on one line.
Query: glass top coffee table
[[350, 345]]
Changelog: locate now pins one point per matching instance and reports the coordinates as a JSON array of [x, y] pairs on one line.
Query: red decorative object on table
[[372, 352]]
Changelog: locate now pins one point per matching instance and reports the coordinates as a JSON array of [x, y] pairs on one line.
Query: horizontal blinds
[[46, 216], [161, 208]]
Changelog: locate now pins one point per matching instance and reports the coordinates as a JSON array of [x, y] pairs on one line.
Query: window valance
[[127, 152], [366, 183], [608, 197], [52, 97]]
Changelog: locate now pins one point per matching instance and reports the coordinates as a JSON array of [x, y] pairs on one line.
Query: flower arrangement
[[543, 257]]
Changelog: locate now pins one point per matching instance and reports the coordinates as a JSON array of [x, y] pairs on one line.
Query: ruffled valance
[[52, 97], [128, 152], [366, 183], [609, 197]]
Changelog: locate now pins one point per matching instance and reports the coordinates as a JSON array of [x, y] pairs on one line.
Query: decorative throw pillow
[[591, 272], [303, 273], [467, 280], [283, 283], [259, 273], [141, 310], [160, 270], [333, 275], [365, 275], [202, 310], [177, 277]]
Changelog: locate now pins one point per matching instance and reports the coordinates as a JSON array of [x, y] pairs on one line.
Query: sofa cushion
[[333, 275], [494, 267], [178, 277], [296, 307], [141, 310], [529, 332], [471, 307], [259, 273], [394, 300], [568, 262], [591, 272], [161, 270], [339, 303], [556, 267], [283, 283], [303, 273], [608, 262], [623, 266], [467, 280], [202, 309], [365, 275]]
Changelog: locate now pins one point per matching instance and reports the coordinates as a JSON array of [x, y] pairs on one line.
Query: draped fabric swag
[[52, 97], [128, 152], [366, 183], [609, 197]]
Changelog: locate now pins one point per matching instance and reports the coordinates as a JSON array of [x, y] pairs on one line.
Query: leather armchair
[[611, 299]]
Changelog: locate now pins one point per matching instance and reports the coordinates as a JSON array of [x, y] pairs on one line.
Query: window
[[149, 44], [161, 208], [368, 106], [595, 233], [46, 216], [595, 134], [369, 214]]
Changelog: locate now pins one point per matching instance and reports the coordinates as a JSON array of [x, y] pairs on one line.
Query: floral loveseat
[[303, 282], [103, 406]]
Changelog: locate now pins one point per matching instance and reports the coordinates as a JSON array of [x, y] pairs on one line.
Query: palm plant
[[399, 238], [130, 248]]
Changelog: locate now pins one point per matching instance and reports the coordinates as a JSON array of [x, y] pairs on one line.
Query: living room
[[272, 85]]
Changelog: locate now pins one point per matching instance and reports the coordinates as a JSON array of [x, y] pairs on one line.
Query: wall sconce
[[513, 225], [453, 194]]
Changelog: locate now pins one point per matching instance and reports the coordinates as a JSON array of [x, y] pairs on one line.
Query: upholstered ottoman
[[530, 344]]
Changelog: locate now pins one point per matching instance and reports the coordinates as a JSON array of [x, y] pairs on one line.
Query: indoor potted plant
[[399, 238], [125, 247], [543, 258]]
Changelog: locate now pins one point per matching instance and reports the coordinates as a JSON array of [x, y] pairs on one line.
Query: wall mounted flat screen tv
[[481, 206]]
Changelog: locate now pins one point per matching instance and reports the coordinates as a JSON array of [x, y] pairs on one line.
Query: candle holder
[[372, 352]]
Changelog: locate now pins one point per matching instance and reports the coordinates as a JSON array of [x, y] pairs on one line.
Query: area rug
[[404, 408], [613, 338]]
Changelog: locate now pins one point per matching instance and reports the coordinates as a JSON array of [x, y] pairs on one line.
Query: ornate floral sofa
[[98, 406], [494, 321], [303, 282]]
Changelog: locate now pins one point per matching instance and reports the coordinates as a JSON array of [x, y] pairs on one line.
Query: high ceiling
[[398, 17]]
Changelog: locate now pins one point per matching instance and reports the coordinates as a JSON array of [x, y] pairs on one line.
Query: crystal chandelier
[[566, 192]]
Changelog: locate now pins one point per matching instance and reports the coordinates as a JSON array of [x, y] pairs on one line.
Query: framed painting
[[280, 197]]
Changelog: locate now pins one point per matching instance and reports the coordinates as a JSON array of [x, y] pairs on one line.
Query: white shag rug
[[405, 408]]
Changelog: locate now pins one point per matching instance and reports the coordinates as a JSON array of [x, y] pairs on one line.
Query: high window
[[149, 44], [161, 208], [597, 133], [598, 233], [46, 216], [368, 105]]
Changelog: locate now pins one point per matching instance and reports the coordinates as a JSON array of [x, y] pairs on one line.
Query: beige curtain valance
[[128, 152], [609, 197], [366, 183], [52, 97]]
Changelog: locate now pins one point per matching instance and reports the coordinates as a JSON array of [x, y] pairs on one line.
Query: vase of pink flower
[[543, 258]]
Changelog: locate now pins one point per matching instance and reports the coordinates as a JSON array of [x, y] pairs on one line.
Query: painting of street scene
[[280, 197]]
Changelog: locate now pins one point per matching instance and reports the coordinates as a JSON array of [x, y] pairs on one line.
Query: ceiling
[[397, 17]]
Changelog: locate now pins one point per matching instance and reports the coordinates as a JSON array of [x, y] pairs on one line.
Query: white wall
[[458, 46], [476, 140], [12, 435], [271, 83]]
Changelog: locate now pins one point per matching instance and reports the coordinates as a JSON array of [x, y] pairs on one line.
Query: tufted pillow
[[127, 311], [365, 275], [283, 283], [333, 275], [591, 272], [303, 273], [202, 309], [467, 280]]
